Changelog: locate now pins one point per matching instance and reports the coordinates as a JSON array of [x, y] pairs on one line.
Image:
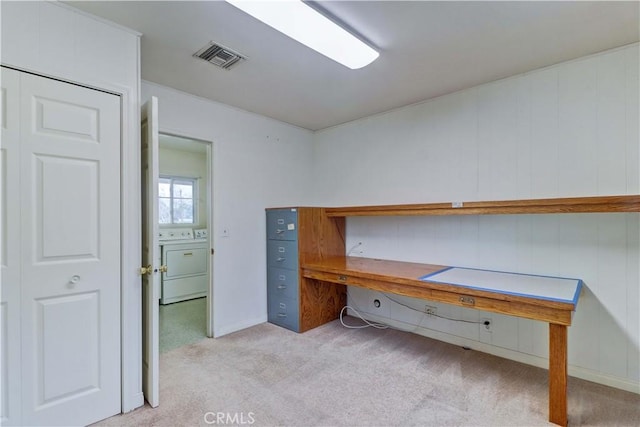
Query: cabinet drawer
[[282, 224], [183, 262], [284, 312], [183, 289], [281, 282], [282, 254]]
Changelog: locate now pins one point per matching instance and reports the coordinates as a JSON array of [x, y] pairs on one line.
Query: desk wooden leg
[[558, 374]]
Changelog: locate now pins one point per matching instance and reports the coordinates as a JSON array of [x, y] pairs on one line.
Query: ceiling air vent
[[219, 55]]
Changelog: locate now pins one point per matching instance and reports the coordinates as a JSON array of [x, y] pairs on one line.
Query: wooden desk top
[[375, 268], [403, 278]]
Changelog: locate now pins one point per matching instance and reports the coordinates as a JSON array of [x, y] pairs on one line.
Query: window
[[177, 201]]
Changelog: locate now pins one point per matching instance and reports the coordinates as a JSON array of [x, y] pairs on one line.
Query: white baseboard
[[228, 329], [541, 362]]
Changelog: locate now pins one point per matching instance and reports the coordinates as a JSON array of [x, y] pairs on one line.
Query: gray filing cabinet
[[283, 298]]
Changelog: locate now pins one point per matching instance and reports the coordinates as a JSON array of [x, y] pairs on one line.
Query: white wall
[[568, 130], [257, 163], [55, 40], [187, 164]]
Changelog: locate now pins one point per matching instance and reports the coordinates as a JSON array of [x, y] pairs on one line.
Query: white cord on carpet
[[368, 324], [384, 326]]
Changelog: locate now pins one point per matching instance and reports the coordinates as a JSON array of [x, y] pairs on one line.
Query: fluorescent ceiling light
[[302, 23]]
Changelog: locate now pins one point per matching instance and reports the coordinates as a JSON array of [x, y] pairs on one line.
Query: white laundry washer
[[187, 261]]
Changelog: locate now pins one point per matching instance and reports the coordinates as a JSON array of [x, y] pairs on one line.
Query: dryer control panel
[[200, 233], [168, 234]]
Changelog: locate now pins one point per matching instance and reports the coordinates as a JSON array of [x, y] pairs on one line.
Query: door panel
[[76, 323], [10, 390], [53, 176], [4, 366], [59, 118], [70, 225]]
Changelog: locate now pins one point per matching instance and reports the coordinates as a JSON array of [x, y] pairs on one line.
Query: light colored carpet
[[182, 323], [332, 376]]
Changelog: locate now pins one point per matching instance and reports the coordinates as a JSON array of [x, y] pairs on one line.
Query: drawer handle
[[342, 278], [282, 286], [187, 254], [467, 300], [280, 259], [279, 231], [281, 315]]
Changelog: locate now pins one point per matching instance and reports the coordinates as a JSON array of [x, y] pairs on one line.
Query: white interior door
[[70, 234], [150, 255], [10, 390], [210, 239]]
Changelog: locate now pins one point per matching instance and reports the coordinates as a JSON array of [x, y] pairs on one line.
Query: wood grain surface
[[625, 203]]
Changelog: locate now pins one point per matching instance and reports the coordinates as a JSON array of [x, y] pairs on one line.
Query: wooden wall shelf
[[609, 204]]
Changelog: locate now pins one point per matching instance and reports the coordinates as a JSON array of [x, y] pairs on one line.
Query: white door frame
[[210, 204], [131, 254], [131, 237]]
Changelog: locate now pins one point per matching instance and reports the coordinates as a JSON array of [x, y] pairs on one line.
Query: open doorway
[[184, 214]]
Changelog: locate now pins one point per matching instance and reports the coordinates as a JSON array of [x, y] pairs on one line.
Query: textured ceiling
[[427, 49]]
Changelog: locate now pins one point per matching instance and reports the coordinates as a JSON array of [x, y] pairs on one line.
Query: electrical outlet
[[486, 325], [430, 310], [356, 249], [375, 305]]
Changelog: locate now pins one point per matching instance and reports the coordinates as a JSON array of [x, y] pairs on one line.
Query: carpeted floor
[[182, 323], [332, 376]]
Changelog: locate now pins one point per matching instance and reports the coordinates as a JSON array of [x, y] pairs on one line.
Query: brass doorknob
[[146, 270]]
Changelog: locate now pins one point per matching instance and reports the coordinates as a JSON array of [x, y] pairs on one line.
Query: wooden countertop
[[403, 278]]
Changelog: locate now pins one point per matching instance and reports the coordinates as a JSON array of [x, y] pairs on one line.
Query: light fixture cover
[[305, 25]]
